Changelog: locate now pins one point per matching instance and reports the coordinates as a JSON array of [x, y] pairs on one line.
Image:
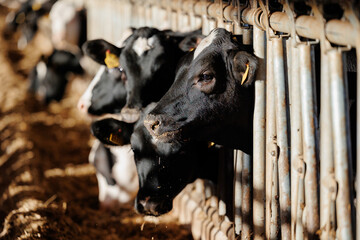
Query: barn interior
[[299, 181]]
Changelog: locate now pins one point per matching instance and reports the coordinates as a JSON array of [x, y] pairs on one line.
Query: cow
[[212, 97], [106, 92], [114, 162], [163, 169], [116, 174], [48, 79], [68, 26], [149, 59], [143, 74], [26, 20]]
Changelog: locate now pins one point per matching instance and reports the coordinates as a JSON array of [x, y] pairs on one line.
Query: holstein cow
[[149, 60], [143, 74], [164, 169], [212, 98], [106, 92], [68, 25], [49, 77], [26, 19]]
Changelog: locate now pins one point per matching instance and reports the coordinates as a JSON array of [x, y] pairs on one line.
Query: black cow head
[[26, 20], [49, 77], [149, 59], [108, 95], [210, 98], [164, 169]]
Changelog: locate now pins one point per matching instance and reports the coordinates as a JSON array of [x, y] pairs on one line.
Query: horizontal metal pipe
[[336, 31]]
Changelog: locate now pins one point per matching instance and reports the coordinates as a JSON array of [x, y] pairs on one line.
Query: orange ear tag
[[111, 60], [245, 74], [36, 7], [115, 139]]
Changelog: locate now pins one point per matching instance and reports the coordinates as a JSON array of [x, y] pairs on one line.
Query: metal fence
[[299, 183]]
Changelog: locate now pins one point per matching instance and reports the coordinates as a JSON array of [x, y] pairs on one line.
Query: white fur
[[124, 172], [85, 100], [41, 70], [204, 43], [65, 24], [142, 45]]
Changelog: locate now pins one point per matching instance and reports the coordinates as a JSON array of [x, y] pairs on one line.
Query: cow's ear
[[244, 67], [191, 42], [96, 50], [112, 132]]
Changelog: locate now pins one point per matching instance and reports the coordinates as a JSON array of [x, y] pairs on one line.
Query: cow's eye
[[205, 82], [206, 77]]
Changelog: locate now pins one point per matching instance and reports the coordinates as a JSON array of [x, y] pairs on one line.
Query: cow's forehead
[[206, 42], [143, 44]]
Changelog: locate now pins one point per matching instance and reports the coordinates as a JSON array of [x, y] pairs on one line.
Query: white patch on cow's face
[[204, 43], [41, 70], [142, 45], [85, 100]]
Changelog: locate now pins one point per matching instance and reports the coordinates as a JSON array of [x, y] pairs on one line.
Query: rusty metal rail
[[301, 171]]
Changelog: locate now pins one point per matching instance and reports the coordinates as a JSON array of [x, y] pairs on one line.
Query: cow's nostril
[[155, 125]]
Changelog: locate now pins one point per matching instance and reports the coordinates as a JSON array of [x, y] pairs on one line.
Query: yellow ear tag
[[191, 49], [111, 60], [115, 139], [245, 74], [36, 6], [234, 38], [210, 144]]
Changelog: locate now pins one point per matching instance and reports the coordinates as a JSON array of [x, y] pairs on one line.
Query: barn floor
[[48, 190]]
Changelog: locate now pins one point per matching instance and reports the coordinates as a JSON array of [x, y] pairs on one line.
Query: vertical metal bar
[[300, 191], [247, 36], [309, 141], [259, 138], [237, 191], [271, 212], [343, 205], [246, 230], [281, 127], [358, 144], [296, 134]]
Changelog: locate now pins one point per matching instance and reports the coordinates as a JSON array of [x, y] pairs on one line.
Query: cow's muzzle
[[150, 207], [130, 115]]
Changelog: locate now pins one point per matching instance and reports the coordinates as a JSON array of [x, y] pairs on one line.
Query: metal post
[[358, 143], [343, 205], [271, 212], [296, 135], [259, 138], [246, 185], [237, 191], [281, 127], [309, 141], [247, 36]]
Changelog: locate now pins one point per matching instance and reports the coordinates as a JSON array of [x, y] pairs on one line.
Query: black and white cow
[[106, 93], [26, 19], [163, 169], [212, 98], [149, 60], [49, 77], [68, 25], [146, 69]]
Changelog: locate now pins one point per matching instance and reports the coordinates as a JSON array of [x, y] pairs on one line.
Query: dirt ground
[[48, 190]]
